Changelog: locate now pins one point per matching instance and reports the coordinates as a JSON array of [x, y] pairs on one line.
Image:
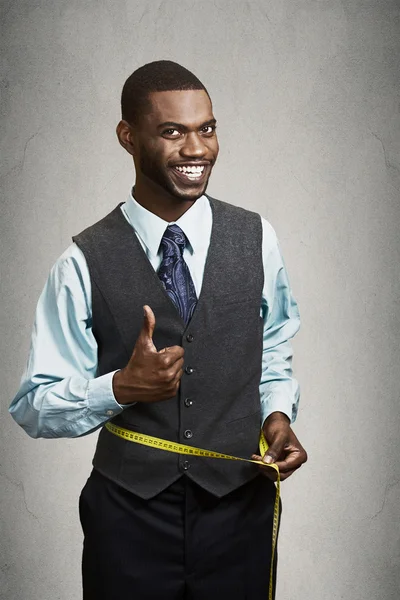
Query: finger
[[256, 457], [173, 387], [168, 368], [178, 376], [294, 458], [275, 448], [264, 469], [259, 459], [176, 382], [178, 365], [149, 322], [169, 375], [288, 465], [171, 354]]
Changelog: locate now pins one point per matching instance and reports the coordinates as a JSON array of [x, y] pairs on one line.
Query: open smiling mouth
[[190, 173]]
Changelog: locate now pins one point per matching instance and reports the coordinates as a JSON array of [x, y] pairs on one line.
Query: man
[[170, 317]]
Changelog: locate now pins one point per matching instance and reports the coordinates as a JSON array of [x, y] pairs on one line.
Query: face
[[175, 143]]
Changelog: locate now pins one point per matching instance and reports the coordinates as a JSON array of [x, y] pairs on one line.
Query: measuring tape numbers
[[168, 446]]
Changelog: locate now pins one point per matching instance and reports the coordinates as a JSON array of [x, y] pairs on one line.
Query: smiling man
[[170, 317]]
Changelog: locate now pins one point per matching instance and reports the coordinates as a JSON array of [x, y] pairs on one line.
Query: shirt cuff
[[100, 396], [274, 403]]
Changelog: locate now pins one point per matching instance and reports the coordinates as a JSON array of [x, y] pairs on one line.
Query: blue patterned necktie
[[174, 272]]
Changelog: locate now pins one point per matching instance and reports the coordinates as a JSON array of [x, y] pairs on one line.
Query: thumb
[[275, 449], [149, 322]]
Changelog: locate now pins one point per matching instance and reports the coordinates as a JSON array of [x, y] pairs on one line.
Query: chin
[[186, 197], [187, 194]]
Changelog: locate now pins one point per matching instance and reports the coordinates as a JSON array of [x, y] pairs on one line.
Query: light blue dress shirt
[[60, 394]]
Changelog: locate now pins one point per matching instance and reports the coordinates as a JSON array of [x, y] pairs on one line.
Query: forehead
[[187, 107]]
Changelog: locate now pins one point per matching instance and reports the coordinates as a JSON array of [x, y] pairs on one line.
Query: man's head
[[168, 127]]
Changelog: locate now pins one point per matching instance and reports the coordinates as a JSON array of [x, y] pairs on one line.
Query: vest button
[[188, 434], [185, 465], [190, 337], [189, 370], [188, 402]]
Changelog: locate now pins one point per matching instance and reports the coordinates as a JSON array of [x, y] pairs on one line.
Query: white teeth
[[192, 170]]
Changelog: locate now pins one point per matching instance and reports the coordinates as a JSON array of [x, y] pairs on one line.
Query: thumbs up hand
[[150, 375]]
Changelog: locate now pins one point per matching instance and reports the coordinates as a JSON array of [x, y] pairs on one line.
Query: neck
[[160, 202]]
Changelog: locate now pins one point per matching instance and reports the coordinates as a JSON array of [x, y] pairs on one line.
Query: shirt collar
[[195, 223]]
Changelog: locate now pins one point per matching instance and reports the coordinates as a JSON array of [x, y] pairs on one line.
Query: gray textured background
[[307, 97]]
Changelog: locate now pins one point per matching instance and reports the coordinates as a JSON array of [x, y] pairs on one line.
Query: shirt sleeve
[[279, 390], [59, 394]]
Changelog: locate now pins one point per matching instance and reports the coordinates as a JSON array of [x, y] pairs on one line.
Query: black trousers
[[183, 544]]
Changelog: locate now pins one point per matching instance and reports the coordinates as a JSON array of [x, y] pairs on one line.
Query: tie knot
[[173, 241]]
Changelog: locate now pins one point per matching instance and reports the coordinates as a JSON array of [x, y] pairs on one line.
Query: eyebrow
[[183, 127]]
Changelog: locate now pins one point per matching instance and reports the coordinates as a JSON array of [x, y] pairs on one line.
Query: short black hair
[[157, 76]]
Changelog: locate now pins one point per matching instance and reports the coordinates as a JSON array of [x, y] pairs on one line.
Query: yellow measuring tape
[[160, 444]]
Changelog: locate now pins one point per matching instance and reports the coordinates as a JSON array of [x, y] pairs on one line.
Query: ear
[[125, 136]]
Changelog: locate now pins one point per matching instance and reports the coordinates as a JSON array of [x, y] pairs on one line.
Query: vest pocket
[[224, 300], [239, 420], [241, 436]]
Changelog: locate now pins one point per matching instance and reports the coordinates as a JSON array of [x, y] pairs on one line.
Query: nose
[[193, 146]]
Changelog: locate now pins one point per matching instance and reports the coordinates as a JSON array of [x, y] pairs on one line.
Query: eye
[[171, 133], [208, 130]]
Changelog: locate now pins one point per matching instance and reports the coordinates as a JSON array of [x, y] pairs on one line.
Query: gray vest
[[218, 403]]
